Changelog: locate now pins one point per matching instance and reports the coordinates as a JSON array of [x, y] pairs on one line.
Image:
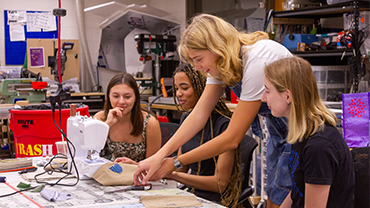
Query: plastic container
[[363, 20], [35, 133]]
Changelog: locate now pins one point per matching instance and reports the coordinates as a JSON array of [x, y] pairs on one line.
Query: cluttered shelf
[[326, 53], [334, 10]]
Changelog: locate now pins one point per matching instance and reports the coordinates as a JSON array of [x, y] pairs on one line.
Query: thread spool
[[73, 109], [2, 179]]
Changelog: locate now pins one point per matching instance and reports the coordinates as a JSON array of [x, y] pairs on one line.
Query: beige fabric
[[170, 201], [107, 177]]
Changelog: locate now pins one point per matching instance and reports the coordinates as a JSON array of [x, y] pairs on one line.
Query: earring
[[287, 102]]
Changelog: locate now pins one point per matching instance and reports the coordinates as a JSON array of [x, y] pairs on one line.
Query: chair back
[[361, 166], [247, 146], [168, 129]]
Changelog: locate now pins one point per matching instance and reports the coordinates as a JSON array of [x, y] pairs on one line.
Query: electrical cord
[[156, 98], [5, 195], [69, 145]]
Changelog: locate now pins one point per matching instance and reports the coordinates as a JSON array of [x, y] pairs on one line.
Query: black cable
[[156, 98], [5, 195]]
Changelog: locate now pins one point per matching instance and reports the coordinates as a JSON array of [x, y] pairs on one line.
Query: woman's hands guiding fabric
[[157, 167]]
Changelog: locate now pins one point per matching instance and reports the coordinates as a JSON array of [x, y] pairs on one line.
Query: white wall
[[93, 32], [69, 24]]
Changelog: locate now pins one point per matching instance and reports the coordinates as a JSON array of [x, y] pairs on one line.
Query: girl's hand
[[146, 168], [113, 116], [125, 160]]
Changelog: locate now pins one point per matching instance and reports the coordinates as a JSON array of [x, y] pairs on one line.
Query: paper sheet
[[19, 16], [170, 201], [31, 23], [45, 21], [16, 31]]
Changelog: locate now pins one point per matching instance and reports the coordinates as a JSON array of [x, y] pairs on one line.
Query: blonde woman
[[228, 57], [320, 163]]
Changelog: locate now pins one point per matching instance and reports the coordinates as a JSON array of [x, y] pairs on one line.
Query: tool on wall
[[53, 60]]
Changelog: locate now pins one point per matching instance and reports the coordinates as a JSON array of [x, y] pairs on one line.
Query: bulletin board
[[15, 51], [72, 65]]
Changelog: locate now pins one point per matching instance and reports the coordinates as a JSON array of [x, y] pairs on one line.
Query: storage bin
[[363, 20], [35, 133], [332, 81]]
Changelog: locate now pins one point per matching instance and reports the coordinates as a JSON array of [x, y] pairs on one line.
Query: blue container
[[291, 41]]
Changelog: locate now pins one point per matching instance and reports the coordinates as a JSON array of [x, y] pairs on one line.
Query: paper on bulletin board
[[16, 30], [19, 16], [46, 21], [37, 59], [30, 23]]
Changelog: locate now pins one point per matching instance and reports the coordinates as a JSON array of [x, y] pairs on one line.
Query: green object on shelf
[[25, 62], [313, 31]]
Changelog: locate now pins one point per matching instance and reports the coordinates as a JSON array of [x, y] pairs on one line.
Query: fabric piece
[[53, 196], [356, 119], [108, 177], [22, 185], [170, 201], [38, 188]]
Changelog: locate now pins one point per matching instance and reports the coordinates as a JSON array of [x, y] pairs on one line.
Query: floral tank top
[[134, 151]]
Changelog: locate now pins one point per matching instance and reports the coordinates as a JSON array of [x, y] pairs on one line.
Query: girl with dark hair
[[217, 179], [128, 139]]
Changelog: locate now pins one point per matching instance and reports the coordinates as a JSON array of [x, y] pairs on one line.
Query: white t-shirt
[[255, 58]]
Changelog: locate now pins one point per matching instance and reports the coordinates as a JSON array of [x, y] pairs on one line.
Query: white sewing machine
[[88, 136]]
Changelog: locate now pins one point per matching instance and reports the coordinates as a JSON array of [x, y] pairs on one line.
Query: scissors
[[141, 187]]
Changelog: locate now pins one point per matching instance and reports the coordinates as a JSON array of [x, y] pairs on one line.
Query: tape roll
[[2, 179]]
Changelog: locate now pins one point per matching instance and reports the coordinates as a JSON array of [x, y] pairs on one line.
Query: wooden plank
[[292, 21]]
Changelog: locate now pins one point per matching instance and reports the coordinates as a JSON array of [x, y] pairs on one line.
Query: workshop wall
[[69, 28]]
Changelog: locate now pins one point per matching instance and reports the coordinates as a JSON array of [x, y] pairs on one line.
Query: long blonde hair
[[308, 113], [208, 32]]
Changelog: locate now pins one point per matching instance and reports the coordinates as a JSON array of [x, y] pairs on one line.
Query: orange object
[[164, 92]]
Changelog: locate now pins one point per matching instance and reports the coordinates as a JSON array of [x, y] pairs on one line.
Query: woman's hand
[[166, 168], [146, 168], [125, 160], [113, 116]]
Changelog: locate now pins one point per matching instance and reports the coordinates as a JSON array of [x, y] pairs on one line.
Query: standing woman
[[134, 133], [320, 163], [217, 179], [228, 57]]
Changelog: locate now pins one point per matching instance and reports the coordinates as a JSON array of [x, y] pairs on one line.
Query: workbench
[[87, 193]]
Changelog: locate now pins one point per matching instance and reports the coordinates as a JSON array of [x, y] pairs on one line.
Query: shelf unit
[[334, 10], [303, 16]]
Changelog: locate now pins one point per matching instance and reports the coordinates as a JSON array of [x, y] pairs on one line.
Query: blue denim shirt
[[278, 150]]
